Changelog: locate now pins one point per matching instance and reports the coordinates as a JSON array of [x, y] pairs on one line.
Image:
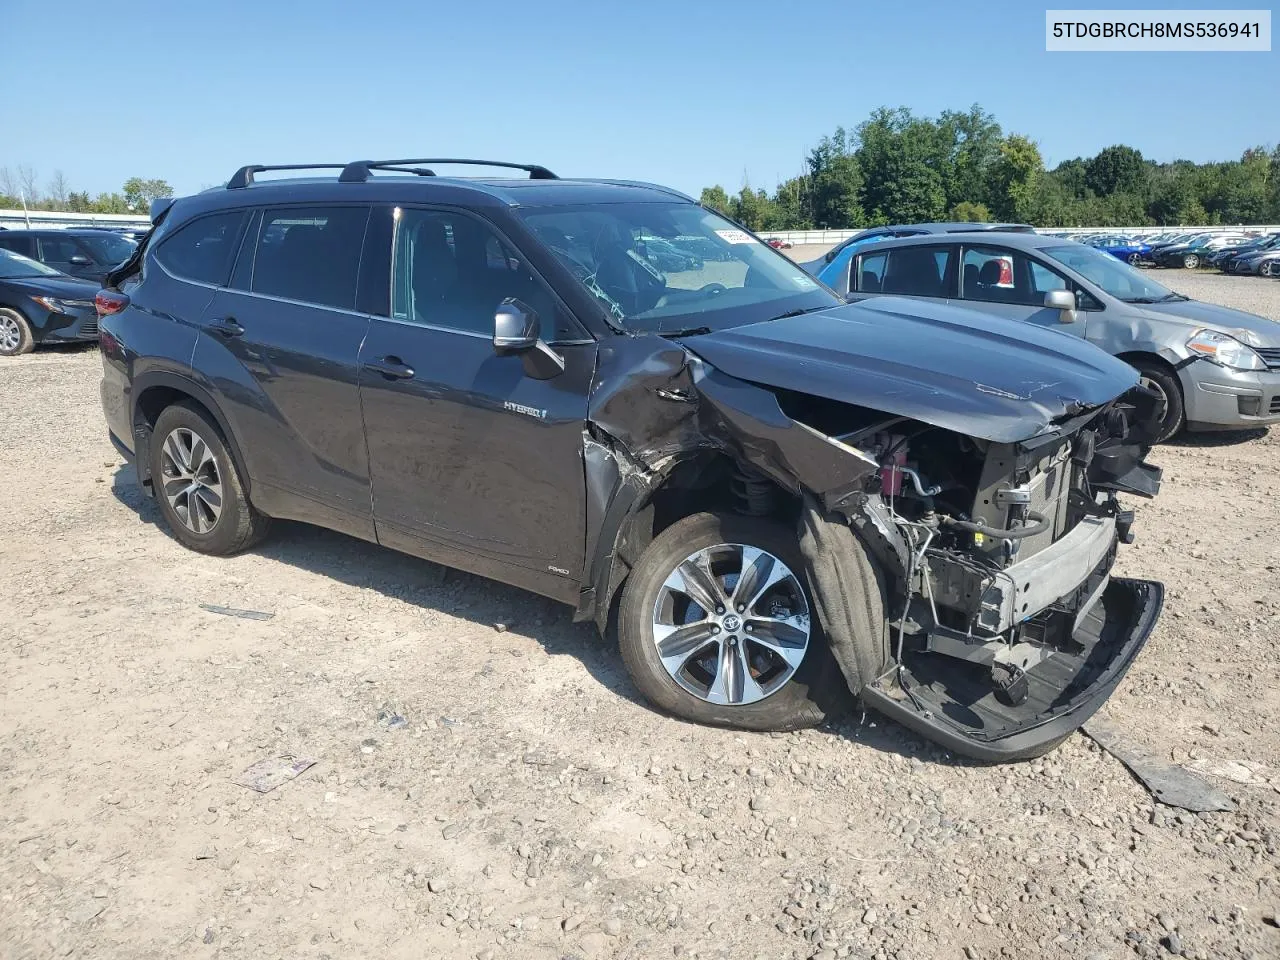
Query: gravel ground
[[488, 785]]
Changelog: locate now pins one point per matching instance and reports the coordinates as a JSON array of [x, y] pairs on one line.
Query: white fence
[[20, 219], [829, 237]]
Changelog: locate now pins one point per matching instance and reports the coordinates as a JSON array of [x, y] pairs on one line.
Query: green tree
[[1117, 169], [109, 203], [899, 184], [79, 202], [716, 199], [968, 212], [1016, 179], [139, 192]]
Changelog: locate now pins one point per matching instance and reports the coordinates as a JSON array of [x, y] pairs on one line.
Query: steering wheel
[[714, 289]]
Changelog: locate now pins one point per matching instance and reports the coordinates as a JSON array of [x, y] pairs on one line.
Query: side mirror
[[829, 256], [517, 330], [80, 260], [515, 327], [1063, 301]]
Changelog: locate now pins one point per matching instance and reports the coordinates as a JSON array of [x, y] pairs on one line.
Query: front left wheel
[[15, 333], [716, 626], [197, 485]]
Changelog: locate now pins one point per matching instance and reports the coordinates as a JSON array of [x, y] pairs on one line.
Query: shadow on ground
[[1217, 438], [431, 586]]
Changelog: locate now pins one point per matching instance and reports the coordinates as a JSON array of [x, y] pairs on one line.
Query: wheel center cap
[[732, 622]]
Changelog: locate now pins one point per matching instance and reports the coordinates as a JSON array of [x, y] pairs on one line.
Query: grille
[[1275, 404], [1271, 357], [89, 327]]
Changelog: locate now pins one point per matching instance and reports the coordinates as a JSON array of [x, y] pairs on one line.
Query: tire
[[1190, 261], [1269, 268], [796, 695], [1166, 381], [15, 334], [1134, 259], [217, 517]]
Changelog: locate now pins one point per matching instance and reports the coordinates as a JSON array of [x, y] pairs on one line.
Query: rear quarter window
[[203, 249]]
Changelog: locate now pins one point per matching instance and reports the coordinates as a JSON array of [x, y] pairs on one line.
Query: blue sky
[[684, 93]]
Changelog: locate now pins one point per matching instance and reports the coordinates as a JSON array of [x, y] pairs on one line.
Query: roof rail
[[358, 170], [244, 176]]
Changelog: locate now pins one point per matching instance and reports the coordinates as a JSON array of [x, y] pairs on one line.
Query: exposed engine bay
[[999, 556]]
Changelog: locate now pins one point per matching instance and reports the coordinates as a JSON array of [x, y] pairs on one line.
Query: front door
[[475, 463], [1007, 283], [65, 254]]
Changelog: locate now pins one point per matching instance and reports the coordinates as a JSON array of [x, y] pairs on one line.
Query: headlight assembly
[[1224, 350]]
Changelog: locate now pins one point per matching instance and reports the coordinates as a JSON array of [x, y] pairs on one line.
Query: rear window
[[108, 248], [311, 254], [203, 249]]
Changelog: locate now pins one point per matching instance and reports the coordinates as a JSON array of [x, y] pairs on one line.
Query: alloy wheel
[[1135, 259], [1191, 261], [731, 624], [192, 483], [10, 334]]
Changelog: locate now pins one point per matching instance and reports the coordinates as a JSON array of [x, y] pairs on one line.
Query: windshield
[[667, 267], [1114, 276], [14, 266], [108, 247]]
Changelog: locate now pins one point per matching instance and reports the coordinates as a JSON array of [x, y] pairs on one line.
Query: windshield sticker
[[804, 283], [735, 236]]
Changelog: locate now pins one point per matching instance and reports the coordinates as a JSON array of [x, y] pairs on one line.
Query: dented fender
[[653, 405]]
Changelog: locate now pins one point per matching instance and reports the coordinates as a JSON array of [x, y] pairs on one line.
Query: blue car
[[833, 267], [1132, 252]]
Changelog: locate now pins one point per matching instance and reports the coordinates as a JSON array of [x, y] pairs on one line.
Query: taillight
[[108, 302]]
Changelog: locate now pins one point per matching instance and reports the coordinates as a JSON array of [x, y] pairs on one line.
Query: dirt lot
[[529, 806]]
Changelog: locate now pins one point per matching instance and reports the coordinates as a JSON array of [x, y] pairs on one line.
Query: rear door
[[925, 270], [279, 346], [475, 463]]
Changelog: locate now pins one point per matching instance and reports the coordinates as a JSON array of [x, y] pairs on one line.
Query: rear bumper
[[1129, 609]]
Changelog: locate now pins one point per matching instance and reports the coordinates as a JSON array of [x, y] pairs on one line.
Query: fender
[[142, 430]]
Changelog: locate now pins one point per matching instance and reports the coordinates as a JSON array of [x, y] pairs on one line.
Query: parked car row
[[1260, 256], [785, 497]]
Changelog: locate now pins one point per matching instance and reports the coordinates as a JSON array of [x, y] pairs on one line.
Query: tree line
[[897, 167], [22, 184]]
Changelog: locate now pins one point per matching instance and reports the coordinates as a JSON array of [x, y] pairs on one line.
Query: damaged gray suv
[[787, 499]]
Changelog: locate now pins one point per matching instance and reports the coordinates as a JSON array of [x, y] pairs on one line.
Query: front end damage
[[1005, 628], [960, 563]]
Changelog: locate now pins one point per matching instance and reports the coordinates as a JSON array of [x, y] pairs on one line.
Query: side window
[[202, 250], [871, 272], [1043, 279], [311, 254], [57, 249], [23, 245], [912, 272], [998, 275], [451, 270]]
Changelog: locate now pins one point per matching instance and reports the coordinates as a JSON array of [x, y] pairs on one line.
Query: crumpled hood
[[1252, 329], [960, 369]]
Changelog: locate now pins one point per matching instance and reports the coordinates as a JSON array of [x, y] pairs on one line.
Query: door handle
[[393, 368], [227, 327]]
